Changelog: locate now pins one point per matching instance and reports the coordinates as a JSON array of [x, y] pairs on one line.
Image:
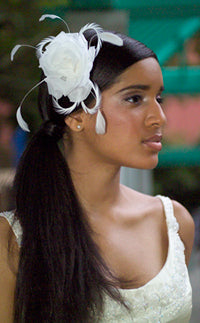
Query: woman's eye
[[136, 99], [160, 99]]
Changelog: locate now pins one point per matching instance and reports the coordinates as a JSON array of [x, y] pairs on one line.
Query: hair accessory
[[67, 60]]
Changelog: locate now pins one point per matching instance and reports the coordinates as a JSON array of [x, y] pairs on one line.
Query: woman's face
[[134, 118]]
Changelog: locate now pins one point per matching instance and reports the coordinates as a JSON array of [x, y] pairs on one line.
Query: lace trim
[[15, 225], [172, 223]]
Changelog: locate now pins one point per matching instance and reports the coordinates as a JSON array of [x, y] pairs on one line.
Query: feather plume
[[100, 124], [98, 30], [62, 110], [97, 97], [15, 49], [94, 26], [111, 38], [43, 17], [21, 121], [42, 44], [84, 106]]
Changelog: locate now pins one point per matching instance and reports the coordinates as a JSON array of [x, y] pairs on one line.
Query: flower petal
[[80, 93]]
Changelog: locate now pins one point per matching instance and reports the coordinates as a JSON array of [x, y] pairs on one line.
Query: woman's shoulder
[[183, 217], [9, 248], [9, 257], [144, 203], [13, 225], [5, 230], [7, 235], [186, 227], [152, 206]]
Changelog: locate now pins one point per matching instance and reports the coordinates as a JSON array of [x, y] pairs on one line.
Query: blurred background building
[[172, 29]]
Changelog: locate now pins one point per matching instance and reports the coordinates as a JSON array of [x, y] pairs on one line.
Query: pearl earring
[[78, 127]]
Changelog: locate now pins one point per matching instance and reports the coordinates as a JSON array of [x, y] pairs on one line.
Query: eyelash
[[160, 99], [131, 99]]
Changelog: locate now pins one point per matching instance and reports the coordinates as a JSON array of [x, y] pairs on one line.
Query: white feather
[[97, 97], [21, 121], [15, 49], [62, 110], [94, 26], [42, 44], [98, 30], [43, 17], [111, 38], [100, 124], [84, 106]]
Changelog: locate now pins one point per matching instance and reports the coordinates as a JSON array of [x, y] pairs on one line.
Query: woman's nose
[[155, 115]]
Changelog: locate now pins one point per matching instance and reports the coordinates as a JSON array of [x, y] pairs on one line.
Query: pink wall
[[183, 119]]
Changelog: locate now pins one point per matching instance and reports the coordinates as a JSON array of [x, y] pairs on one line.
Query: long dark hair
[[62, 276]]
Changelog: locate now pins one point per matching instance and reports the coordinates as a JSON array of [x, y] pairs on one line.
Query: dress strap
[[15, 225], [172, 223]]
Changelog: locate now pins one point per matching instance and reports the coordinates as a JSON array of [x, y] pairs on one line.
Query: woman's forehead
[[145, 73]]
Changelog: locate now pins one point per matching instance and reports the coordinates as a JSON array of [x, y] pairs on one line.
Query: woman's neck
[[96, 183]]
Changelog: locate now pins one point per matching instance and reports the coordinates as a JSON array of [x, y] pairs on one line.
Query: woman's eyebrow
[[136, 86], [139, 87]]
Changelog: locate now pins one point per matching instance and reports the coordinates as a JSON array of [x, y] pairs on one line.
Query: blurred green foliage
[[179, 183]]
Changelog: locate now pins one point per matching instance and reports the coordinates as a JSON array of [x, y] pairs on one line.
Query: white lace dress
[[165, 298]]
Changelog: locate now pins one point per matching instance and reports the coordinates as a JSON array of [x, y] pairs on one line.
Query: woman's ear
[[75, 121]]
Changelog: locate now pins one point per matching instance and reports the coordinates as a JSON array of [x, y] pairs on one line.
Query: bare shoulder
[[143, 204], [8, 242], [183, 217], [7, 275], [7, 237], [186, 227], [4, 232]]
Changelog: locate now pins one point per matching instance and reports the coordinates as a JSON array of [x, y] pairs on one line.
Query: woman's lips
[[154, 142]]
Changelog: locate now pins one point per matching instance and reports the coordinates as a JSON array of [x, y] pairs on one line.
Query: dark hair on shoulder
[[62, 276]]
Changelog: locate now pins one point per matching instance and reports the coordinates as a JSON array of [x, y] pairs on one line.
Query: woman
[[93, 250]]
